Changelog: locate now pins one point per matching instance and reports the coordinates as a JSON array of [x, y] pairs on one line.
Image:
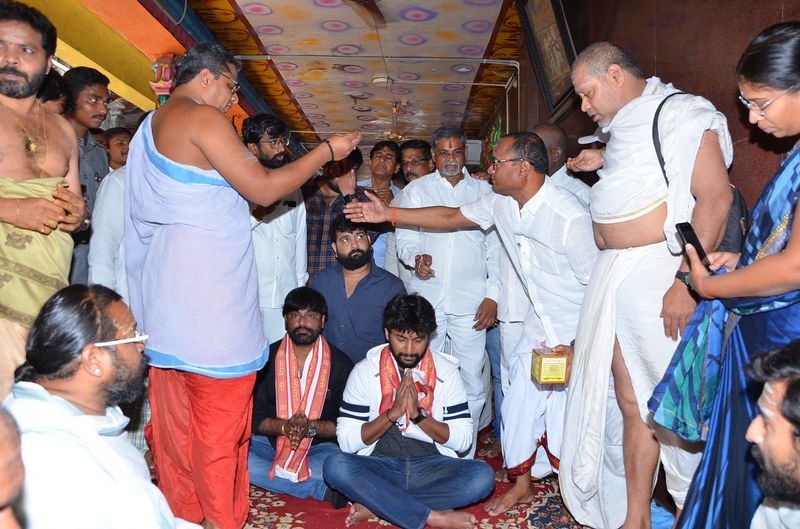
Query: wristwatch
[[349, 198], [682, 277], [312, 429], [421, 416]]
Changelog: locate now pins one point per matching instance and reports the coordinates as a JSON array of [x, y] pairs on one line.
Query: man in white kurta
[[455, 270], [636, 305], [279, 231]]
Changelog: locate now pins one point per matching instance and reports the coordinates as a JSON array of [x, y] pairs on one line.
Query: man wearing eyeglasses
[[548, 234], [84, 358], [193, 281], [637, 303], [455, 270], [279, 230], [416, 160]]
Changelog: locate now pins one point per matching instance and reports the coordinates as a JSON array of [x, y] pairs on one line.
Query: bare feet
[[358, 513], [521, 492], [452, 520], [491, 450], [501, 476], [487, 438]]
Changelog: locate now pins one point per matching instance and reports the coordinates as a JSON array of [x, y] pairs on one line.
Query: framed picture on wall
[[551, 49]]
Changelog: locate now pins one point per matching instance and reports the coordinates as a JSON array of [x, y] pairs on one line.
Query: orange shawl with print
[[289, 401], [390, 378]]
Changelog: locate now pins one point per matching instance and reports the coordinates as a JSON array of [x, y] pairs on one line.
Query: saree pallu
[[705, 393]]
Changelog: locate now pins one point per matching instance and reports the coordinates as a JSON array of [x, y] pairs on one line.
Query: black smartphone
[[688, 236]]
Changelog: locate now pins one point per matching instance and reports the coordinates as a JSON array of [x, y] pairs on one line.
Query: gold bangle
[[283, 429], [16, 219]]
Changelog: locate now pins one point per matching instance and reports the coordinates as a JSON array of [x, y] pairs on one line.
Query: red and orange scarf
[[288, 398], [390, 379]]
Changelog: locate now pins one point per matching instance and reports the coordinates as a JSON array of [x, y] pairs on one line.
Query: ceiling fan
[[369, 12]]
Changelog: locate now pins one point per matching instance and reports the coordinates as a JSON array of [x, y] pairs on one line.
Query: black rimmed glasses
[[274, 143], [405, 164]]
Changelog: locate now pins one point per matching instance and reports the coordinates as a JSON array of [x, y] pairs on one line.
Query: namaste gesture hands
[[296, 429]]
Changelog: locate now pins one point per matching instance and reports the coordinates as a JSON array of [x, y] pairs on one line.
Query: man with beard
[[775, 435], [38, 165], [86, 108], [403, 421], [84, 357], [296, 402], [355, 289], [457, 270], [279, 230]]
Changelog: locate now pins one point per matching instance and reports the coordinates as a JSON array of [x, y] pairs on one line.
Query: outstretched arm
[[434, 217]]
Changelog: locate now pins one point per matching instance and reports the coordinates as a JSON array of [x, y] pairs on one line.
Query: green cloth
[[33, 266]]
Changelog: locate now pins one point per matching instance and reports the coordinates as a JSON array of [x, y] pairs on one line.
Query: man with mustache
[[355, 289], [404, 420], [296, 402], [40, 200], [84, 358], [775, 435], [416, 161], [279, 230], [457, 270], [86, 108]]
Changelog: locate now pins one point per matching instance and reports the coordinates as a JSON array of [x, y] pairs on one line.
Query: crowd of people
[[347, 340]]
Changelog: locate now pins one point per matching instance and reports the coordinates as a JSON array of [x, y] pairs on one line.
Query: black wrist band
[[683, 277], [330, 148]]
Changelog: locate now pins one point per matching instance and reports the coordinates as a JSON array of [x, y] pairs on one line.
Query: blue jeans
[[493, 350], [260, 458], [403, 491]]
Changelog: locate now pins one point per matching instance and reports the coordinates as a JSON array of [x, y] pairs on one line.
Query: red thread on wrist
[[394, 217]]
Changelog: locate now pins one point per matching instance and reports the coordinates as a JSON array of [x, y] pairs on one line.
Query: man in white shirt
[[451, 267], [84, 357], [551, 247], [279, 230]]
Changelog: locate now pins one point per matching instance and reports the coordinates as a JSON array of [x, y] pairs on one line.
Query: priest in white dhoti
[[548, 235], [636, 304]]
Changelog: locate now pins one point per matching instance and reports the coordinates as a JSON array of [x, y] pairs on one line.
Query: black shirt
[[264, 401]]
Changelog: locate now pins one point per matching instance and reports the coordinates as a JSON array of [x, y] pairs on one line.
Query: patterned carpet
[[279, 511]]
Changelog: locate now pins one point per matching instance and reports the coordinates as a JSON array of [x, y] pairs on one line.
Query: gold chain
[[34, 143]]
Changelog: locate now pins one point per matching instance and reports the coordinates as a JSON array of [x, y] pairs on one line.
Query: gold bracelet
[[17, 217], [283, 429]]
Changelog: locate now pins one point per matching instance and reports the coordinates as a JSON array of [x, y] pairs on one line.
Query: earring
[[97, 371]]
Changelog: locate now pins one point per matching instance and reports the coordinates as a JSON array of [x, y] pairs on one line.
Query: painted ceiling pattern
[[326, 68]]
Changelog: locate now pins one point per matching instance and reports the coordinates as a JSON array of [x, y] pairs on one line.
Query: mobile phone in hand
[[688, 236]]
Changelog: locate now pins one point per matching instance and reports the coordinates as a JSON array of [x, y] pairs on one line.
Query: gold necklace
[[32, 140]]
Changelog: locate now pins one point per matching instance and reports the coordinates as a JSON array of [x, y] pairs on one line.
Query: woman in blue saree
[[706, 394]]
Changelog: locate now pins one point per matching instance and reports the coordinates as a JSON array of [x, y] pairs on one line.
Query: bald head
[[598, 57], [555, 141]]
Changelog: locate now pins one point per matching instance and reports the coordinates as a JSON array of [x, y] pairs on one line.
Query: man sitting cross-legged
[[548, 234], [296, 402], [404, 418]]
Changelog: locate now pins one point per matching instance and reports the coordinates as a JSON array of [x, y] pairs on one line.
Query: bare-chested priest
[[40, 200]]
